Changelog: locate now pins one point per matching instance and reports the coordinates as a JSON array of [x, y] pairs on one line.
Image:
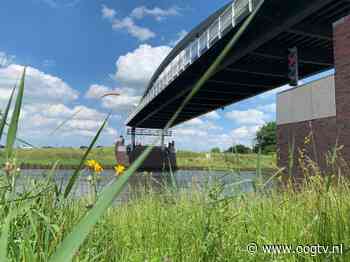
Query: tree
[[240, 149], [266, 138], [215, 150]]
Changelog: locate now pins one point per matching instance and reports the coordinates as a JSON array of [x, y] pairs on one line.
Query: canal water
[[140, 182]]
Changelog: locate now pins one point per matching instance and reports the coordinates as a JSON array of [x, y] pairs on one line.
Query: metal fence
[[232, 16]]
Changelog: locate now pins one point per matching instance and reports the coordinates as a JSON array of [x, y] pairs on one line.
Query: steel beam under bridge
[[256, 64]]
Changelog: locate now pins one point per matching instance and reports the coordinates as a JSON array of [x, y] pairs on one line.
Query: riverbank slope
[[70, 157]]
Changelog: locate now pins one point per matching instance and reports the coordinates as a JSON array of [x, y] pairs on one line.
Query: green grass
[[188, 226], [70, 157], [224, 161], [65, 156]]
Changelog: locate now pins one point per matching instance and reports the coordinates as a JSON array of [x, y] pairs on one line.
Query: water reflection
[[141, 182]]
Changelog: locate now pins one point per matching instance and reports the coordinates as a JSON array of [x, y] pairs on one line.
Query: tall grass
[[186, 226]]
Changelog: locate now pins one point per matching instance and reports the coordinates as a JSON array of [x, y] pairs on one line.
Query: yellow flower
[[94, 166], [119, 169], [90, 164], [98, 168]]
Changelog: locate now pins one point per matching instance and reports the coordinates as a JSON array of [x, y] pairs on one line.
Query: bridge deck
[[256, 64]]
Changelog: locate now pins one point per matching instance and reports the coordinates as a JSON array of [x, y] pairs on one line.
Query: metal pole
[[163, 142], [133, 137]]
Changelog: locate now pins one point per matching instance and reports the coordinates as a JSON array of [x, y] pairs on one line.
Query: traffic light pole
[[293, 66]]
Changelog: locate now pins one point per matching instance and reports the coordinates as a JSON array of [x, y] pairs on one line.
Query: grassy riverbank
[[192, 226], [70, 158]]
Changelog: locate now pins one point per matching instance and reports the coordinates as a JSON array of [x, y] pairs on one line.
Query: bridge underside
[[257, 63]]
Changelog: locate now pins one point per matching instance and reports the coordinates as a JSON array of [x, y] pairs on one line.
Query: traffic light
[[293, 70]]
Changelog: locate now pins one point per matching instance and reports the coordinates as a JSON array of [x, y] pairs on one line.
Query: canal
[[183, 180]]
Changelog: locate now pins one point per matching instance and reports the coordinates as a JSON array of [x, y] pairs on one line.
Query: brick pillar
[[341, 30]]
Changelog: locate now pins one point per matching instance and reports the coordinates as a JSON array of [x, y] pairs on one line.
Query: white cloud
[[180, 35], [194, 122], [133, 71], [46, 105], [136, 68], [108, 13], [97, 91], [38, 121], [198, 123], [127, 23], [38, 84], [196, 134], [251, 116], [141, 33], [244, 135], [213, 115], [156, 12], [270, 108], [126, 100]]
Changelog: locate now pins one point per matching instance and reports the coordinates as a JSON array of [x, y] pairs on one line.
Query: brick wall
[[341, 30], [322, 134]]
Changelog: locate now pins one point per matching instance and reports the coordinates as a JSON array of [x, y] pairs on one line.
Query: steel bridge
[[257, 63]]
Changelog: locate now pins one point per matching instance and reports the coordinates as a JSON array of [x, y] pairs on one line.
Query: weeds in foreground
[[188, 225]]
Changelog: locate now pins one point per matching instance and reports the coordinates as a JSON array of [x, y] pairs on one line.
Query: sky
[[77, 50]]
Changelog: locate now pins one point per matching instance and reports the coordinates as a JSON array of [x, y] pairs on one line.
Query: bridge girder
[[257, 63]]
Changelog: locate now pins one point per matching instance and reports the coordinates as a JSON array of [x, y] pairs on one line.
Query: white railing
[[233, 15]]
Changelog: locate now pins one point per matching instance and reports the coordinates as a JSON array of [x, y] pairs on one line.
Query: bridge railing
[[232, 16]]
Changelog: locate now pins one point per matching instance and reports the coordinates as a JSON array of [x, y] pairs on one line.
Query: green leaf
[[75, 175], [4, 116], [12, 132]]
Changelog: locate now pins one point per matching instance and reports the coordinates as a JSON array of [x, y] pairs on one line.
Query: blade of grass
[[75, 175], [6, 112], [65, 121], [23, 141], [12, 131], [71, 244], [18, 138]]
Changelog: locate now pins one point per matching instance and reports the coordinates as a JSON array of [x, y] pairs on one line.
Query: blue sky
[[77, 50]]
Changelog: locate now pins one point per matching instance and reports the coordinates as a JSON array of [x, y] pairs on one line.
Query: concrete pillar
[[133, 137], [341, 30]]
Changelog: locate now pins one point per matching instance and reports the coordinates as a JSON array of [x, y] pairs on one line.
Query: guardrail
[[149, 132], [232, 16]]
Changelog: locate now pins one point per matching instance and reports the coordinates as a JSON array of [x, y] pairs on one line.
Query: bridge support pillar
[[342, 82], [133, 137]]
